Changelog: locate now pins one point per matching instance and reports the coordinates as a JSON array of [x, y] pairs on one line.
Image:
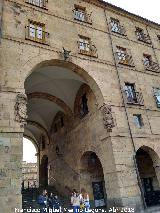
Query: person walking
[[85, 200], [42, 201], [75, 201], [54, 202]]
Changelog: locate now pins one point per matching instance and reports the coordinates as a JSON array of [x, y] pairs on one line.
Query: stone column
[[12, 116], [120, 175]]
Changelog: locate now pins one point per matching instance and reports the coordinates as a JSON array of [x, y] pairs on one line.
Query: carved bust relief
[[21, 109]]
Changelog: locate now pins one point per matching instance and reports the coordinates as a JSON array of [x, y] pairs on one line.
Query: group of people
[[79, 201], [48, 202]]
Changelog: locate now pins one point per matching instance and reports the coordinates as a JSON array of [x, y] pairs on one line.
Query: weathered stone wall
[[19, 57]]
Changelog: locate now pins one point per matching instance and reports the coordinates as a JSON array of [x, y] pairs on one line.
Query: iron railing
[[152, 66], [82, 16], [88, 49], [125, 59], [143, 37], [38, 3], [134, 97], [40, 39]]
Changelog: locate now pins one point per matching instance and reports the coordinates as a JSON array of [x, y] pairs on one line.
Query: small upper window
[[156, 92], [141, 36], [147, 59], [84, 106], [84, 43], [116, 27], [38, 3], [138, 120], [81, 14], [121, 53], [124, 56], [86, 47], [36, 32]]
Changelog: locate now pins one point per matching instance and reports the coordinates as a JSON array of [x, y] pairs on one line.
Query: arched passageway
[[92, 178], [64, 114], [30, 164], [148, 166]]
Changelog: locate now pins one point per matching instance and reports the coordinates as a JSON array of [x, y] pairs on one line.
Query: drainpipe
[[127, 116], [1, 18]]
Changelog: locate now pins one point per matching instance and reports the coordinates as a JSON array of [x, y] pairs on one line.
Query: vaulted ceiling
[[50, 89]]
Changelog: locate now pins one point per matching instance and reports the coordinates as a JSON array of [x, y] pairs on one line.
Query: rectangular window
[[115, 26], [80, 13], [147, 60], [38, 3], [36, 32], [156, 92], [84, 44], [121, 53], [140, 34], [130, 93], [138, 120]]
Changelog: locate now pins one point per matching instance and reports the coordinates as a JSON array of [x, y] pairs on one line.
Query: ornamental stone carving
[[21, 109], [107, 117]]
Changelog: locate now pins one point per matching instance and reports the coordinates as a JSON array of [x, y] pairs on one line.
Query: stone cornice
[[116, 9]]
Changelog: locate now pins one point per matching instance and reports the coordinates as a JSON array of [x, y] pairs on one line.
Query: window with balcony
[[38, 3], [149, 64], [123, 56], [156, 92], [35, 31], [116, 27], [80, 14], [132, 96], [138, 120], [84, 106], [86, 47], [141, 36]]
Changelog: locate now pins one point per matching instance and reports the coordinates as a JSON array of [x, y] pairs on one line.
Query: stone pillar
[[121, 181], [11, 149]]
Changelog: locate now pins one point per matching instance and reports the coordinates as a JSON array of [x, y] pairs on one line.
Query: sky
[[29, 151], [145, 8]]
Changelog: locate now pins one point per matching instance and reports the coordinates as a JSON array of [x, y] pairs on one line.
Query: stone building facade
[[81, 79], [30, 175]]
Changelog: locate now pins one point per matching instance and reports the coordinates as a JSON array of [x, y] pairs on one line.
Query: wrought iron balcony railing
[[134, 97], [82, 16], [124, 59], [88, 49], [152, 66], [36, 35], [143, 37], [38, 3]]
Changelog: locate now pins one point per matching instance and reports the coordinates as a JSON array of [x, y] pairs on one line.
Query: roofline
[[104, 4]]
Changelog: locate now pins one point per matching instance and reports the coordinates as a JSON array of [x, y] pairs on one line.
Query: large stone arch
[[155, 159], [47, 60], [91, 176]]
